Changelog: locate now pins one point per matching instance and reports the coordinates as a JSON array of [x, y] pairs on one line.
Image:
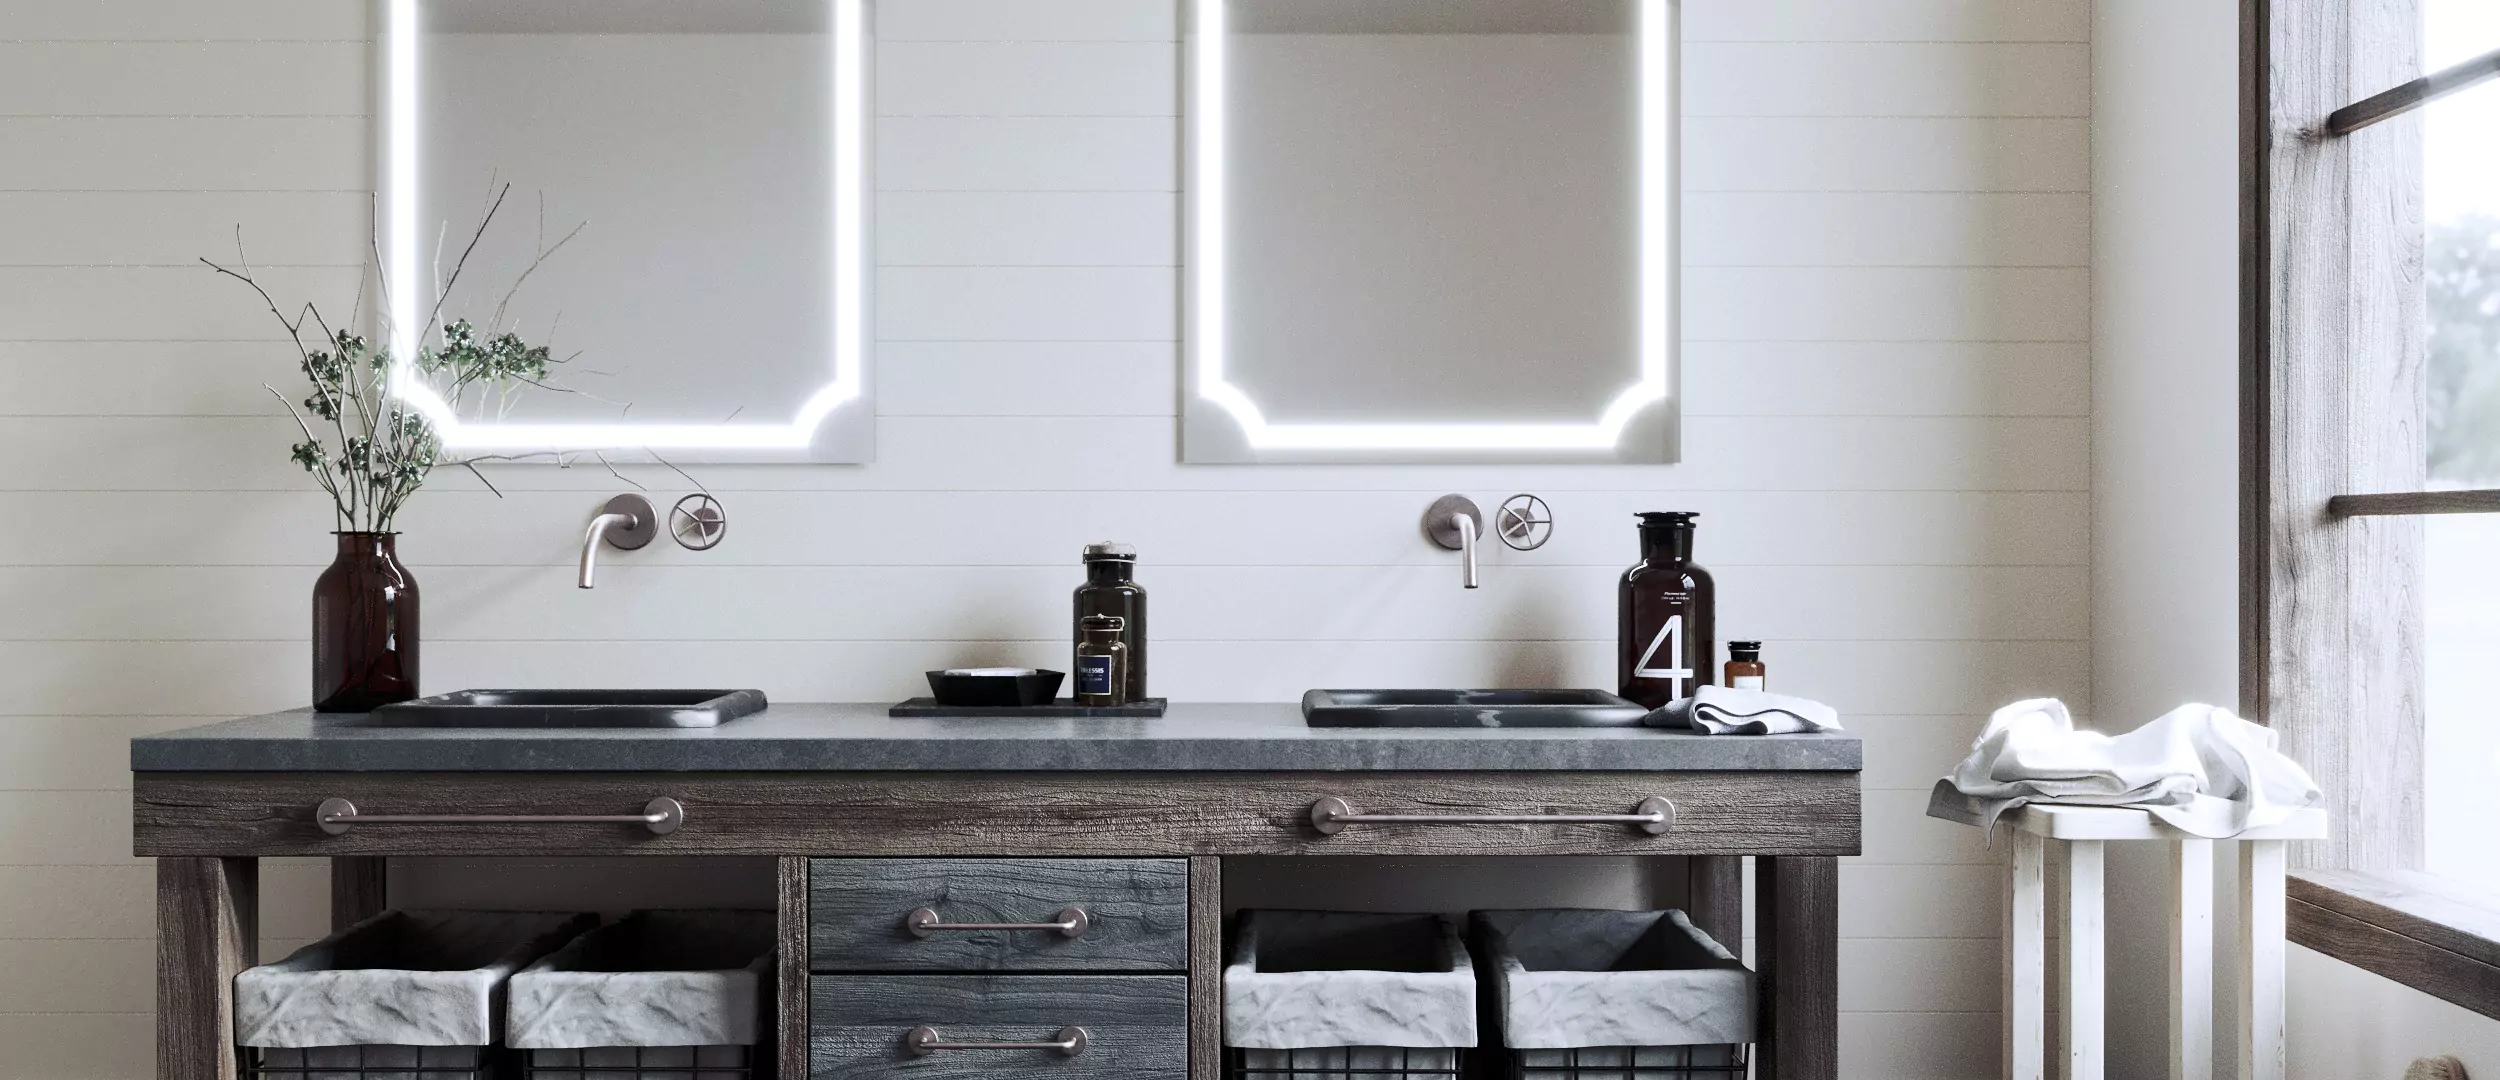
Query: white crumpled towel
[[2198, 768], [1720, 710]]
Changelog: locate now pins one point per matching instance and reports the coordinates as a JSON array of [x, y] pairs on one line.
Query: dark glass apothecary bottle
[[1111, 588], [1666, 616], [364, 626]]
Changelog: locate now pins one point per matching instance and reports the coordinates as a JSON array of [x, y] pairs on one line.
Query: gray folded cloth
[[1720, 710]]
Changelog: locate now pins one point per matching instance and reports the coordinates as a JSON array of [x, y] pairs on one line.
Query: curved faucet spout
[[599, 527], [1466, 548]]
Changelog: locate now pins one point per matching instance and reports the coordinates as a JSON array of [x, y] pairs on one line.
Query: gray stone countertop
[[810, 737]]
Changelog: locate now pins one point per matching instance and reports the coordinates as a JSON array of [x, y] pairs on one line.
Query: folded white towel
[[1719, 710], [2198, 767]]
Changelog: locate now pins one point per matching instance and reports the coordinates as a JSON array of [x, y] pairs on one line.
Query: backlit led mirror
[[713, 155], [1431, 230]]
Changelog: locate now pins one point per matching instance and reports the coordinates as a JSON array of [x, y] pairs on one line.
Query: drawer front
[[1135, 914], [1136, 1026]]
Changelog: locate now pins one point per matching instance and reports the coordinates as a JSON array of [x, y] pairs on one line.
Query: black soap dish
[[994, 687]]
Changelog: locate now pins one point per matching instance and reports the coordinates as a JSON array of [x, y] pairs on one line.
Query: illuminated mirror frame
[[836, 423], [1221, 424]]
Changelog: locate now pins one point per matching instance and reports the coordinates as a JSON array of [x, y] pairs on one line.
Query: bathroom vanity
[[1126, 823]]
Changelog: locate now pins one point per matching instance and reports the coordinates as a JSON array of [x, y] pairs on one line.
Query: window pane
[[2461, 736], [2461, 179]]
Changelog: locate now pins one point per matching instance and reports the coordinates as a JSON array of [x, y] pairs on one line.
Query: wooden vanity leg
[[1797, 944], [207, 930], [1206, 967], [790, 962], [1716, 898], [359, 889]]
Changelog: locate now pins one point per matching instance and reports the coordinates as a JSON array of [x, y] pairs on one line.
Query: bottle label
[[1747, 682], [1671, 667], [1093, 674]]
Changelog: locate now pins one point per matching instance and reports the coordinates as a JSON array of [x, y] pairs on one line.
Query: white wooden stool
[[2083, 830]]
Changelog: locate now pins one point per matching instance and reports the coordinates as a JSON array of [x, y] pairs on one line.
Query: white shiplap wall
[[1886, 364]]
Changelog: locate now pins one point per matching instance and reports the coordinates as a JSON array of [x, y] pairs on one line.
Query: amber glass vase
[[364, 626]]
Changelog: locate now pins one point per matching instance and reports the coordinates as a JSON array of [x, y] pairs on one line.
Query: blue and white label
[[1093, 674]]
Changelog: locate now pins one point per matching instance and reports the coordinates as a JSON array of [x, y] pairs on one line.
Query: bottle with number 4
[[1665, 616]]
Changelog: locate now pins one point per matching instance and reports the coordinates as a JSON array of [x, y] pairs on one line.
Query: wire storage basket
[[404, 995], [1327, 995], [1613, 995], [656, 995]]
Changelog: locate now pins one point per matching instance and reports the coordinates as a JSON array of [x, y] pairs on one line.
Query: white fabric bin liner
[[1305, 979], [1566, 978], [653, 978], [400, 978]]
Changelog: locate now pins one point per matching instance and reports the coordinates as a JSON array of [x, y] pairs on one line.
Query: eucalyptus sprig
[[364, 443]]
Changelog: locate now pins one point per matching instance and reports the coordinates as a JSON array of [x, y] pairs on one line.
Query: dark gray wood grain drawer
[[1136, 914], [1136, 1026]]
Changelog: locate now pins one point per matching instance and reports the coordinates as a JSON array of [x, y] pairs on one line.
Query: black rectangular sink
[[571, 709], [1468, 708]]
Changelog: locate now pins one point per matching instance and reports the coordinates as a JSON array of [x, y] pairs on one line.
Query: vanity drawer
[[1136, 1027], [998, 914]]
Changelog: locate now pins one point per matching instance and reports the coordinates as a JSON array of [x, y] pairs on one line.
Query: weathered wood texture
[[1715, 897], [207, 930], [1206, 968], [790, 956], [2412, 928], [1137, 912], [2449, 976], [986, 814], [359, 889], [1797, 943], [2398, 100], [2411, 503], [2333, 404], [1137, 1025]]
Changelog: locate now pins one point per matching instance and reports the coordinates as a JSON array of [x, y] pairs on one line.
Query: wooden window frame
[[2333, 469]]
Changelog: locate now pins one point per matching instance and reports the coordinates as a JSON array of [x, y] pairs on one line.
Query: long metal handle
[[1652, 815], [662, 816], [1072, 923], [924, 1041]]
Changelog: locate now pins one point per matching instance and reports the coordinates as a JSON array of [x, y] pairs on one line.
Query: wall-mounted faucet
[[1454, 522], [627, 522]]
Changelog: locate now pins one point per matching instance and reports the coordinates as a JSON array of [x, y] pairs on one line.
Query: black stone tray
[[922, 706]]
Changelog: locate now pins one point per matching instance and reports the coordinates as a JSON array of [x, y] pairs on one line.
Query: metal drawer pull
[[923, 1041], [1652, 815], [661, 815], [1072, 923]]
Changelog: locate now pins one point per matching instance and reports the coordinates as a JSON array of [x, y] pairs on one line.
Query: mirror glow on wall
[[712, 306], [1431, 230]]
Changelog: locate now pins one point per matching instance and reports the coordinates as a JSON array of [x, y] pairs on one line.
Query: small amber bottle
[[1744, 666], [1101, 661]]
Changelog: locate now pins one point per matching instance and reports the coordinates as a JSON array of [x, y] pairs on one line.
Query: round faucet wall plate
[[1441, 520], [645, 527]]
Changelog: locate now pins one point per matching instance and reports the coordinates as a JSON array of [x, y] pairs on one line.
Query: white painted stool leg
[[2026, 960], [2085, 1000], [2192, 960], [2261, 943]]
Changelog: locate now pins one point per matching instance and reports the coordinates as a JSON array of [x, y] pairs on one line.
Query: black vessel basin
[[1468, 708], [571, 708]]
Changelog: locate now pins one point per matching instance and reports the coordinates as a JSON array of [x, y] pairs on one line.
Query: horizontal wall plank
[[1926, 1045], [185, 154], [113, 975], [1823, 78], [1112, 454], [178, 228], [65, 828], [1023, 20], [244, 677], [1082, 153], [1028, 228], [120, 901], [1884, 378], [1914, 751], [1887, 304], [82, 1046], [455, 523], [1886, 154], [1057, 303], [1920, 974], [1899, 833], [1028, 78], [1193, 603], [225, 78], [182, 20], [162, 302], [1889, 20], [1935, 901], [75, 753], [1812, 228]]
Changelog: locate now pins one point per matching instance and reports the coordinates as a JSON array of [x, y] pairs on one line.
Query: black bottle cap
[[1744, 646], [1667, 517]]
